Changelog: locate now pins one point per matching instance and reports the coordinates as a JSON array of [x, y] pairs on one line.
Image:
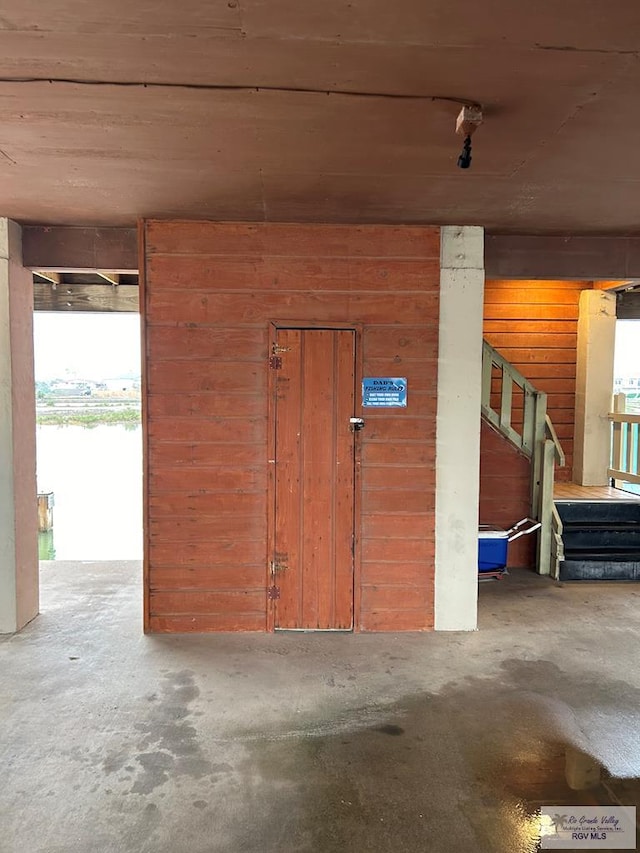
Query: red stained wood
[[214, 553], [189, 342], [210, 293], [505, 483], [387, 477], [204, 479], [175, 453], [541, 295], [296, 274], [407, 342], [314, 489], [190, 578], [199, 624], [211, 308], [401, 574], [398, 502], [418, 372], [379, 453], [530, 342], [533, 311], [205, 529], [206, 404], [209, 503], [182, 376], [204, 601], [401, 427], [220, 430], [405, 526], [398, 619], [291, 240], [397, 550], [542, 346], [396, 597]]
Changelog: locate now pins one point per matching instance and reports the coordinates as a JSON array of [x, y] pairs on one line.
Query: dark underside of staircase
[[601, 540]]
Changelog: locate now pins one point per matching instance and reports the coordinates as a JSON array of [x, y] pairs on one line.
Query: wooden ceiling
[[113, 110]]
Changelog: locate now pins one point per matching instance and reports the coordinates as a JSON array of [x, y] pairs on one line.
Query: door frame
[[356, 328]]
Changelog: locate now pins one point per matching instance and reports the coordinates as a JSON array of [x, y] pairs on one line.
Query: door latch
[[356, 424]]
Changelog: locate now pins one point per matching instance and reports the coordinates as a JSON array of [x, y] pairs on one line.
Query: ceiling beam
[[86, 297], [61, 248], [628, 305], [50, 249], [511, 256]]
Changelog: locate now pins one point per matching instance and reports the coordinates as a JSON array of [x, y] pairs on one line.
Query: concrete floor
[[310, 743]]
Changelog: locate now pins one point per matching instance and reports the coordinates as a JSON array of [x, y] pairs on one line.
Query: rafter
[[112, 277]]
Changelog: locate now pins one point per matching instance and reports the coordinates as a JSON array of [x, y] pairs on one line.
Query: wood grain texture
[[314, 490], [534, 325], [505, 484], [292, 240], [211, 292], [297, 274]]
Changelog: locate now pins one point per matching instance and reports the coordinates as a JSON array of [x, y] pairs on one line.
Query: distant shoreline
[[88, 418]]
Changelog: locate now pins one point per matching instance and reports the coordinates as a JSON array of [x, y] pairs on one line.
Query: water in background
[[95, 474]]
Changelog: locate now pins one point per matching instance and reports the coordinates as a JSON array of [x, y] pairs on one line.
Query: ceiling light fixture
[[469, 119]]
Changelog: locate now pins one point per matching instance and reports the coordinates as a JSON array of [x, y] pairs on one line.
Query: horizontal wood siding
[[210, 293], [505, 476], [534, 324]]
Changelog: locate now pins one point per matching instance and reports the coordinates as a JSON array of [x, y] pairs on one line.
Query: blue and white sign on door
[[384, 391]]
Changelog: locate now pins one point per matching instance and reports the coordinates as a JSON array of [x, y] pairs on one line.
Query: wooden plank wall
[[505, 484], [210, 292], [534, 324]]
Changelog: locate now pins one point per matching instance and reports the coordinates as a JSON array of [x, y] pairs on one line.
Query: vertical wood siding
[[210, 292], [534, 324]]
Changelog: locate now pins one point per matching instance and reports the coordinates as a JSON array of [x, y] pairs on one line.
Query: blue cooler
[[492, 548], [493, 543]]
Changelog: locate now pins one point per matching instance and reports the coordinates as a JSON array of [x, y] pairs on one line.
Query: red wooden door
[[313, 564]]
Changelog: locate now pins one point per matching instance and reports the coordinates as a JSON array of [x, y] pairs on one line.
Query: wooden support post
[[539, 425], [45, 512], [619, 408], [546, 507]]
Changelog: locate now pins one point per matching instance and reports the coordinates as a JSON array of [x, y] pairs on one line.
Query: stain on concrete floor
[[252, 743]]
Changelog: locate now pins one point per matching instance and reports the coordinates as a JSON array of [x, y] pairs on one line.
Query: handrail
[[534, 401], [537, 439], [553, 435], [625, 443]]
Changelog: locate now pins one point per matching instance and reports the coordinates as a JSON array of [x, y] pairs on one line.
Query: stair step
[[592, 570], [602, 540], [613, 555], [622, 526], [598, 511]]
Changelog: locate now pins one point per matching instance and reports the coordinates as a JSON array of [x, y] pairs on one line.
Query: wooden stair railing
[[625, 443], [529, 428]]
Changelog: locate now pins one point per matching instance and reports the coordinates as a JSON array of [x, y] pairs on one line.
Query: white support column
[[18, 508], [458, 427], [594, 386]]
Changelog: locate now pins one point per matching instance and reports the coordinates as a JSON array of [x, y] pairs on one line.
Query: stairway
[[601, 540]]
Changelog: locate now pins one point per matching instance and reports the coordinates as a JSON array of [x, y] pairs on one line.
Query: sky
[[106, 346], [627, 353], [86, 346]]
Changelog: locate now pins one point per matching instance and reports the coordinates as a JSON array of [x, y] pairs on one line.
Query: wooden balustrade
[[530, 429], [625, 429]]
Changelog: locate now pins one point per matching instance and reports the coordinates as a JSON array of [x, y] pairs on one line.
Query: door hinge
[[275, 362], [278, 567], [273, 593]]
